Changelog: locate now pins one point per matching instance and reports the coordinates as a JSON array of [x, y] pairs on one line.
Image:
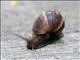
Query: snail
[[49, 23]]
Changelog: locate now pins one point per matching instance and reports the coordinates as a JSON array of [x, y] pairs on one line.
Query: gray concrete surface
[[19, 19]]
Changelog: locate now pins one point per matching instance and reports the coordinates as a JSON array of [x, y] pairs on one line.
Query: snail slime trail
[[48, 24]]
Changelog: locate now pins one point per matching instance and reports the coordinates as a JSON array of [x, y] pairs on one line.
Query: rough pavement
[[19, 19]]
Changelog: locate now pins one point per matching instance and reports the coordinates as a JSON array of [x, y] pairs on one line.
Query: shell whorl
[[55, 20]]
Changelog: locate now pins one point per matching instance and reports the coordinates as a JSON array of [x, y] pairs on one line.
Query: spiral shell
[[48, 22]]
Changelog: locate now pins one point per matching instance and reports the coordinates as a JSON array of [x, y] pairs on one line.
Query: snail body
[[47, 24]]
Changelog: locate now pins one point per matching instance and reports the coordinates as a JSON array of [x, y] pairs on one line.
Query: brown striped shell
[[48, 22]]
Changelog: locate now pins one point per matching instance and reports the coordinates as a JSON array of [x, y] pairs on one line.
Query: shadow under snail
[[49, 23]]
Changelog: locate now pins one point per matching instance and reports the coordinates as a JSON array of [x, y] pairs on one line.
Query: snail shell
[[48, 22]]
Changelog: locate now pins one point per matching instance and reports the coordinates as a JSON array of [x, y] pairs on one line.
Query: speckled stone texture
[[20, 18]]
